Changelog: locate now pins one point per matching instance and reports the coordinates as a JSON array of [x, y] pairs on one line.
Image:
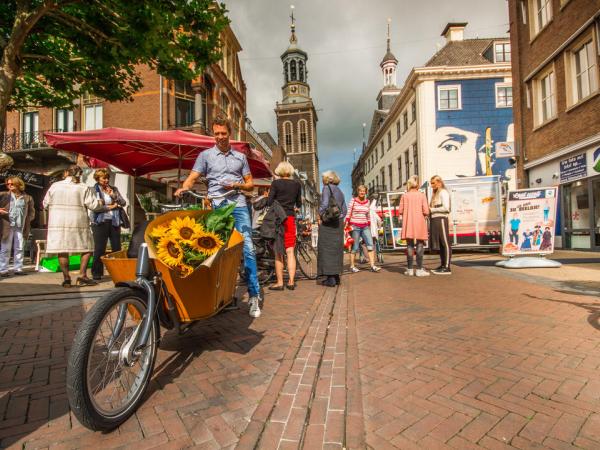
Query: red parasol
[[139, 152]]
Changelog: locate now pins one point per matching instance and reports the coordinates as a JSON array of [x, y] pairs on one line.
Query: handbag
[[332, 212], [124, 218]]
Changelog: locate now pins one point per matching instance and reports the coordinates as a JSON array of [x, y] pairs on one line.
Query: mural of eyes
[[450, 145]]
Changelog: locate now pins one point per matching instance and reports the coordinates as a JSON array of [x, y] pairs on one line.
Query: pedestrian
[[359, 219], [224, 170], [376, 222], [106, 222], [440, 236], [259, 206], [16, 213], [330, 246], [414, 211], [68, 202], [288, 193]]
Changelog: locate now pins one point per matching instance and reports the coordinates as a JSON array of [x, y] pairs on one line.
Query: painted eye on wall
[[449, 147]]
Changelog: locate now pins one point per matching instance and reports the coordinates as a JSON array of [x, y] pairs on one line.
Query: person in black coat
[[330, 256]]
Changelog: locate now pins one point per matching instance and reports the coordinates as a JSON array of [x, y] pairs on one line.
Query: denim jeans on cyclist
[[243, 224], [365, 233]]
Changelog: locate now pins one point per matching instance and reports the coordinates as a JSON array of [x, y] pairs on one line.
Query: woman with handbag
[[107, 222], [332, 211]]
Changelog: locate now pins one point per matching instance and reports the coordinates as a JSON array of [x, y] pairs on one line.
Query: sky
[[345, 42]]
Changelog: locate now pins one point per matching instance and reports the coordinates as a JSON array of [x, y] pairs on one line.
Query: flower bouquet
[[185, 242]]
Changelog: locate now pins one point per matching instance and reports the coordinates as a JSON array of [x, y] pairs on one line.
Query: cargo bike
[[114, 350]]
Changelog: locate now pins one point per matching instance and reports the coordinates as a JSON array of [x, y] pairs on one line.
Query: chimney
[[454, 31]]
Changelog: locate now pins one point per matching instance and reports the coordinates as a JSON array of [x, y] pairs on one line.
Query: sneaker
[[409, 272], [421, 273], [354, 269], [442, 271], [375, 269], [254, 308]]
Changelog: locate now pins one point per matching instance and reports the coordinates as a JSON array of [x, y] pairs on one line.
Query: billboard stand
[[528, 262], [529, 228]]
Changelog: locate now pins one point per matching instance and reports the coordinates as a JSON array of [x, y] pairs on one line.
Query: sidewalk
[[478, 359]]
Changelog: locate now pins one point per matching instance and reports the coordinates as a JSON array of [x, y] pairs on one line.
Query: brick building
[[162, 104], [557, 124]]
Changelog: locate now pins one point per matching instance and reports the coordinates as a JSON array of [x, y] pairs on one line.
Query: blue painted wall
[[478, 112]]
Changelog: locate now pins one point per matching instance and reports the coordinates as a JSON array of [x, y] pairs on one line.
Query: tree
[[53, 51]]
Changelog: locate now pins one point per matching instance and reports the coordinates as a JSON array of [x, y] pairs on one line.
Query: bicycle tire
[[306, 260], [81, 402]]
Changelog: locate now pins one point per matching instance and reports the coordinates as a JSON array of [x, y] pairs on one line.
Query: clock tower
[[296, 114]]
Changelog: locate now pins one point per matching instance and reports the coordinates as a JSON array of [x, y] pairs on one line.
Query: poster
[[530, 222]]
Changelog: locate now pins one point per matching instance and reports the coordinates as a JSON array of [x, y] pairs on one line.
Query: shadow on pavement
[[33, 364], [593, 309]]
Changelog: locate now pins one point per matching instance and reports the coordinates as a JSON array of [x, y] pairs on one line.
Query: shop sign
[[30, 178], [505, 149], [573, 168], [530, 222], [596, 159]]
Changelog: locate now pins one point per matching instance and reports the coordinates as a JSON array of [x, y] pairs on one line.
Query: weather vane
[[293, 27]]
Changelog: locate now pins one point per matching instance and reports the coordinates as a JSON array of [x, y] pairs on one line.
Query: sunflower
[[185, 228], [159, 231], [169, 251], [207, 242], [184, 269]]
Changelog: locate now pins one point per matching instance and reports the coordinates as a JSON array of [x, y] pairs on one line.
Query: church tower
[[296, 114]]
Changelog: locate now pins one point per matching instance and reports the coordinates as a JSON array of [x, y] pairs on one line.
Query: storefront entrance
[[581, 214]]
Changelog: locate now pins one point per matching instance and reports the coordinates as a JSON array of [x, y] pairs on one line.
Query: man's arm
[[188, 183], [247, 185]]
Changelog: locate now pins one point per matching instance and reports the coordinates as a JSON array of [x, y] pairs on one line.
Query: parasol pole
[[179, 172]]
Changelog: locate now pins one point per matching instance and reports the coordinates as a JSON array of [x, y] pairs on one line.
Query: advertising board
[[530, 221]]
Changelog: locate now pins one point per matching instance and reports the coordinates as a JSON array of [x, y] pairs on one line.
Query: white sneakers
[[416, 273], [354, 269], [254, 306]]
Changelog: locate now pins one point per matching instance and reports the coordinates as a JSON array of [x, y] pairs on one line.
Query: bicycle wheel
[[103, 386], [306, 260]]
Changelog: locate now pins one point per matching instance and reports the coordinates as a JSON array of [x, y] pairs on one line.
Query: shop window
[[577, 214]]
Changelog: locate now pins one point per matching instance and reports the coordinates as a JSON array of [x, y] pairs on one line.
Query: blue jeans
[[243, 224], [365, 232]]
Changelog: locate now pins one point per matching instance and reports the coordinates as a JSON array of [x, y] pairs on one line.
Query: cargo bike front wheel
[[108, 373]]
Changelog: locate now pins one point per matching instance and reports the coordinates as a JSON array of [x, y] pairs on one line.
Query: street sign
[[505, 149]]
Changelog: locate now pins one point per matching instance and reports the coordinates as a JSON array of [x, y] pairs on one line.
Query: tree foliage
[[53, 51]]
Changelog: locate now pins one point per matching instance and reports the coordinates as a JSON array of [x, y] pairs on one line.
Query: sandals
[[66, 283], [276, 288], [291, 287], [85, 281]]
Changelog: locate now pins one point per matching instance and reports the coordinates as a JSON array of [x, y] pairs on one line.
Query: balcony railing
[[13, 142]]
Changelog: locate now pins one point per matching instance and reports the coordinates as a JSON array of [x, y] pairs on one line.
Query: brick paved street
[[486, 358]]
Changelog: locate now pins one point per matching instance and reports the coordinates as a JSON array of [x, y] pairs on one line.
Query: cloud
[[345, 41]]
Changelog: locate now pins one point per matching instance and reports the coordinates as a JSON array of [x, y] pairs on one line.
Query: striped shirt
[[358, 213]]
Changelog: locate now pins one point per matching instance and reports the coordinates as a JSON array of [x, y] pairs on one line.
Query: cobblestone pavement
[[485, 358]]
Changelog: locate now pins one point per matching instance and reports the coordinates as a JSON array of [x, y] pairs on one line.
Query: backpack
[[333, 211]]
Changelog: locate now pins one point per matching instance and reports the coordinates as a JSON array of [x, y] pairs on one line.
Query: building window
[[504, 97], [30, 128], [449, 97], [413, 108], [584, 73], [541, 11], [93, 117], [406, 164], [293, 74], [398, 131], [391, 177], [545, 97], [287, 136], [225, 104], [303, 140], [383, 179], [237, 124], [389, 139], [377, 182], [376, 156], [64, 120], [405, 120], [415, 159], [184, 103], [399, 160], [502, 52], [382, 148]]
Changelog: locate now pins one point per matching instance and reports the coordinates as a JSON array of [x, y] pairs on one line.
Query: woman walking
[[288, 193], [330, 246], [440, 210], [106, 223], [16, 213], [68, 202], [414, 211], [359, 219]]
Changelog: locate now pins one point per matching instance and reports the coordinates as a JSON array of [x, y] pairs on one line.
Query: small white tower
[[389, 63]]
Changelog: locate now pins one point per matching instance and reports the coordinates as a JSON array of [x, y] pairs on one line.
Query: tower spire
[[388, 34], [293, 39]]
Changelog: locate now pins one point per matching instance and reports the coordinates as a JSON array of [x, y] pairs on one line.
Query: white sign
[[505, 149]]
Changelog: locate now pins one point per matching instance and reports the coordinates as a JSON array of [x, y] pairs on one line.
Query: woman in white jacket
[[440, 237]]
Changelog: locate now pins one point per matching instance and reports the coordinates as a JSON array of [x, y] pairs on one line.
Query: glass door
[[596, 216], [577, 218]]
